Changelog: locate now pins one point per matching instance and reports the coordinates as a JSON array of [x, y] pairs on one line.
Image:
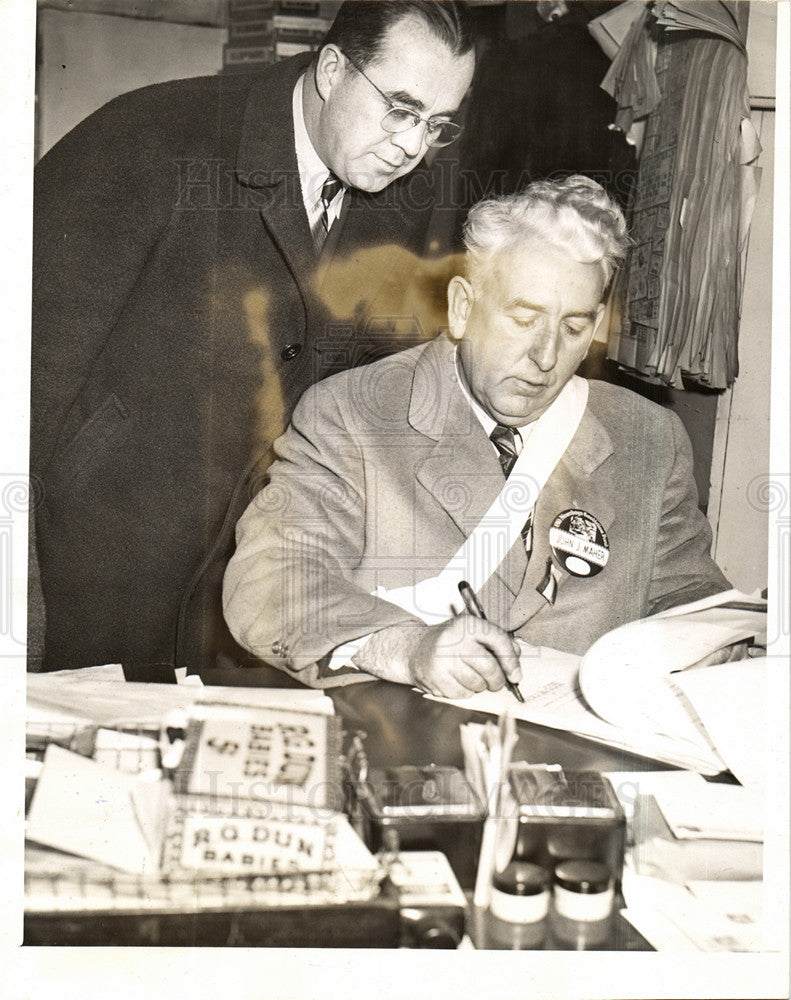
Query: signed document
[[624, 691]]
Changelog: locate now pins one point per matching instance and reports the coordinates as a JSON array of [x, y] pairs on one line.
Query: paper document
[[92, 698], [84, 808], [626, 674], [730, 701], [674, 919], [713, 811], [553, 698]]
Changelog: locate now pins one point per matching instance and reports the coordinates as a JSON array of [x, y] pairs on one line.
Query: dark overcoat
[[180, 310]]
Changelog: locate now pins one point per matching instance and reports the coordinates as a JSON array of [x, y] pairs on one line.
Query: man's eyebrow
[[403, 97], [524, 304], [533, 307]]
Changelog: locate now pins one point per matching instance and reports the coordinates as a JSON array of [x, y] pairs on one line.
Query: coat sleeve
[[683, 569], [289, 594]]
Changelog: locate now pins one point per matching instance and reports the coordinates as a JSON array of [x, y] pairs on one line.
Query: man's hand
[[453, 660], [728, 654], [462, 656]]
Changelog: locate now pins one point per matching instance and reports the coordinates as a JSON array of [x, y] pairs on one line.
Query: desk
[[402, 727]]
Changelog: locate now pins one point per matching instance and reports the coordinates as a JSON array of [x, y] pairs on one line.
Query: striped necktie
[[504, 440], [508, 443], [329, 190]]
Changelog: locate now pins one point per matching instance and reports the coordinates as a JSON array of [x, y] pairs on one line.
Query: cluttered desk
[[214, 812]]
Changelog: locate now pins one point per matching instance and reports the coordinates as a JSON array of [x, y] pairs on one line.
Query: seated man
[[568, 505]]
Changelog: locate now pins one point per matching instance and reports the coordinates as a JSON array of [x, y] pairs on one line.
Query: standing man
[[185, 236], [568, 505]]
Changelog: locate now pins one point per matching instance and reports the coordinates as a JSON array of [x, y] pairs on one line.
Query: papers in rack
[[131, 841], [624, 692], [99, 695]]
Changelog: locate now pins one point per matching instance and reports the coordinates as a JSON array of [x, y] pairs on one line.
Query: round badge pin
[[579, 543]]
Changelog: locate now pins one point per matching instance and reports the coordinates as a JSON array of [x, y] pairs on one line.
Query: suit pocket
[[93, 444]]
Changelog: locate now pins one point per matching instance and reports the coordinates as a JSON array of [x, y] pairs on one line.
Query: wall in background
[[739, 481], [84, 60], [738, 506]]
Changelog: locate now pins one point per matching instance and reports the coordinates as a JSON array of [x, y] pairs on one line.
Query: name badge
[[579, 543]]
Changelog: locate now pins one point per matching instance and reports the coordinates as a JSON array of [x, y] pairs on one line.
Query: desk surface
[[403, 727]]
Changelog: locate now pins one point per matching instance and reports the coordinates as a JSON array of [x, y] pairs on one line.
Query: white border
[[135, 973]]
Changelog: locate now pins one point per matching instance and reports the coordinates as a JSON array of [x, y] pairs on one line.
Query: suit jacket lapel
[[462, 472], [573, 485]]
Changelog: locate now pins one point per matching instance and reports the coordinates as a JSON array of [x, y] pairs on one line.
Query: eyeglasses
[[439, 131]]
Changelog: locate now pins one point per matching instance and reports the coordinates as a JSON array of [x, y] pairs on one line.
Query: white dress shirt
[[313, 172]]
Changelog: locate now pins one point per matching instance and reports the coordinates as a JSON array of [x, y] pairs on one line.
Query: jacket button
[[290, 351]]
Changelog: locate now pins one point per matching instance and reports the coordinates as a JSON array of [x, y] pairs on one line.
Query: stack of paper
[[624, 691], [697, 917], [688, 885]]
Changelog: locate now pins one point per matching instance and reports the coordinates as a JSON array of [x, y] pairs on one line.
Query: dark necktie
[[504, 441], [329, 190]]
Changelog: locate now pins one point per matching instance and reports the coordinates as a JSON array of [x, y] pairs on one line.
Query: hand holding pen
[[458, 657], [473, 606]]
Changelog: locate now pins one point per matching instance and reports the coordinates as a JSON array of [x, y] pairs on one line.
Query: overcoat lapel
[[266, 165]]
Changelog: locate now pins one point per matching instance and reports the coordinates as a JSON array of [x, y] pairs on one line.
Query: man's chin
[[377, 180], [371, 183], [517, 416]]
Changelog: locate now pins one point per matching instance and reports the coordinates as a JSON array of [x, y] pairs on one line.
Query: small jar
[[520, 893], [583, 890]]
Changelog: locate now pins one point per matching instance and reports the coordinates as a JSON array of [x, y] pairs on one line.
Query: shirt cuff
[[342, 655]]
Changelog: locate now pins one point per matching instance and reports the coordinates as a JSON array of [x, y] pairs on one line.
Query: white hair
[[575, 215]]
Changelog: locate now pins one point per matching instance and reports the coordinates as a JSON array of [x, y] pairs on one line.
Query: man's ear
[[460, 299], [330, 66], [600, 314]]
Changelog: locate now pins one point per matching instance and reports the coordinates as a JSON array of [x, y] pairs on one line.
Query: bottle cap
[[583, 890], [520, 893]]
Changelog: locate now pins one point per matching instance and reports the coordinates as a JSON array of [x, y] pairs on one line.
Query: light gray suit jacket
[[385, 470]]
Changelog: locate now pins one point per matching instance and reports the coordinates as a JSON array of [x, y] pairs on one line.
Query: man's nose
[[543, 350], [411, 141]]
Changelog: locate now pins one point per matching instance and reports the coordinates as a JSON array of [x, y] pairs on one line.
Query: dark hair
[[360, 25]]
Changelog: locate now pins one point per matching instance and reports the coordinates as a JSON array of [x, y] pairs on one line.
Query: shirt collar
[[312, 170]]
